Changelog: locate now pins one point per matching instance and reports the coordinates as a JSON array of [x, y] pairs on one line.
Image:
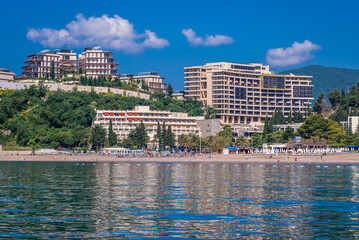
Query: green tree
[[139, 136], [268, 127], [98, 136], [318, 105], [319, 127], [158, 136], [289, 119], [164, 135], [170, 137], [52, 70], [334, 97], [144, 85], [226, 131], [210, 112], [112, 138], [169, 90], [297, 117], [257, 140]]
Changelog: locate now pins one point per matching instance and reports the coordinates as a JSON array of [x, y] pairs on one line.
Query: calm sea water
[[224, 201]]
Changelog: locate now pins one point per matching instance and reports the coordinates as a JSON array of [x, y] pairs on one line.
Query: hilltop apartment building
[[95, 62], [247, 93], [124, 121], [152, 79], [39, 65]]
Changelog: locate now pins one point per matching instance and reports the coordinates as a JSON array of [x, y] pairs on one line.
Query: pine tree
[[170, 90], [159, 136], [112, 138], [290, 117], [266, 128], [309, 110], [164, 135], [170, 137], [52, 70], [139, 136], [343, 93]]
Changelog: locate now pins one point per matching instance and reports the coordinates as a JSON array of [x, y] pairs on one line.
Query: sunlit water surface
[[205, 201]]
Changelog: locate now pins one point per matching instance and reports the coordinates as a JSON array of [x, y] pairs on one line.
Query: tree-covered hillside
[[36, 118], [326, 79]]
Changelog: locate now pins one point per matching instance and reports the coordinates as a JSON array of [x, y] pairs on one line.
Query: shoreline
[[339, 158]]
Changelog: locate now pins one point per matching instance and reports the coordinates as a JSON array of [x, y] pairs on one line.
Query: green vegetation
[[37, 118], [138, 137], [164, 137], [210, 112], [112, 138], [317, 127], [344, 104], [170, 90]]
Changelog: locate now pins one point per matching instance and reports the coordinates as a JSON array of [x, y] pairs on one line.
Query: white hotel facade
[[124, 121]]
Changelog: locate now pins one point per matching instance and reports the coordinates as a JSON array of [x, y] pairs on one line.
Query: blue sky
[[246, 31]]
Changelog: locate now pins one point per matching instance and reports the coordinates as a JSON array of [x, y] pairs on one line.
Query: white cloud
[[297, 53], [208, 40], [109, 32]]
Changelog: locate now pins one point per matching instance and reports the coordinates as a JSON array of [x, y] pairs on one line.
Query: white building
[[124, 121], [353, 124], [152, 79], [95, 62], [6, 75]]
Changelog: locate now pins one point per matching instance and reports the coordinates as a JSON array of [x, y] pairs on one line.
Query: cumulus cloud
[[109, 32], [297, 53], [208, 40]]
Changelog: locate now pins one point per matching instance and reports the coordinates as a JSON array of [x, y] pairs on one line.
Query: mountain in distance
[[326, 79]]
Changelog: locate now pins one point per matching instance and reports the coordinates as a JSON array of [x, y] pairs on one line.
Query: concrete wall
[[12, 85], [209, 127], [69, 88]]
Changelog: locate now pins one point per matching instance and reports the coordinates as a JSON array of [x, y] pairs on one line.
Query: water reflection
[[159, 200]]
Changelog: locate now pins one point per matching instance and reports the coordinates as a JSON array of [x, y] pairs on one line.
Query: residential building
[[39, 65], [152, 79], [247, 130], [95, 62], [124, 121], [68, 60], [247, 93], [294, 126], [209, 127], [6, 75], [179, 95], [353, 124]]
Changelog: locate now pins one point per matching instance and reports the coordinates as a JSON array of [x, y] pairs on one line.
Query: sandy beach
[[340, 158]]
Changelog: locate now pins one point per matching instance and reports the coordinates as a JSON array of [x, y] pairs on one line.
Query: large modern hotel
[[247, 93]]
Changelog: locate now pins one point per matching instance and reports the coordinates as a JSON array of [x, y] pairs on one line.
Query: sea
[[87, 200]]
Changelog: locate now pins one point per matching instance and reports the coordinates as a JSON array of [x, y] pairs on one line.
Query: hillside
[[326, 79]]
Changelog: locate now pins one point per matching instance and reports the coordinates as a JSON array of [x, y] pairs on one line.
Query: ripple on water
[[63, 200]]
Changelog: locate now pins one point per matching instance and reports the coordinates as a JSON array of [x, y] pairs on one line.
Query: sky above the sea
[[165, 36]]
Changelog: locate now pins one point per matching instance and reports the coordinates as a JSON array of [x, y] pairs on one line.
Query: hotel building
[[39, 65], [6, 75], [247, 93], [153, 81], [124, 121], [95, 62]]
